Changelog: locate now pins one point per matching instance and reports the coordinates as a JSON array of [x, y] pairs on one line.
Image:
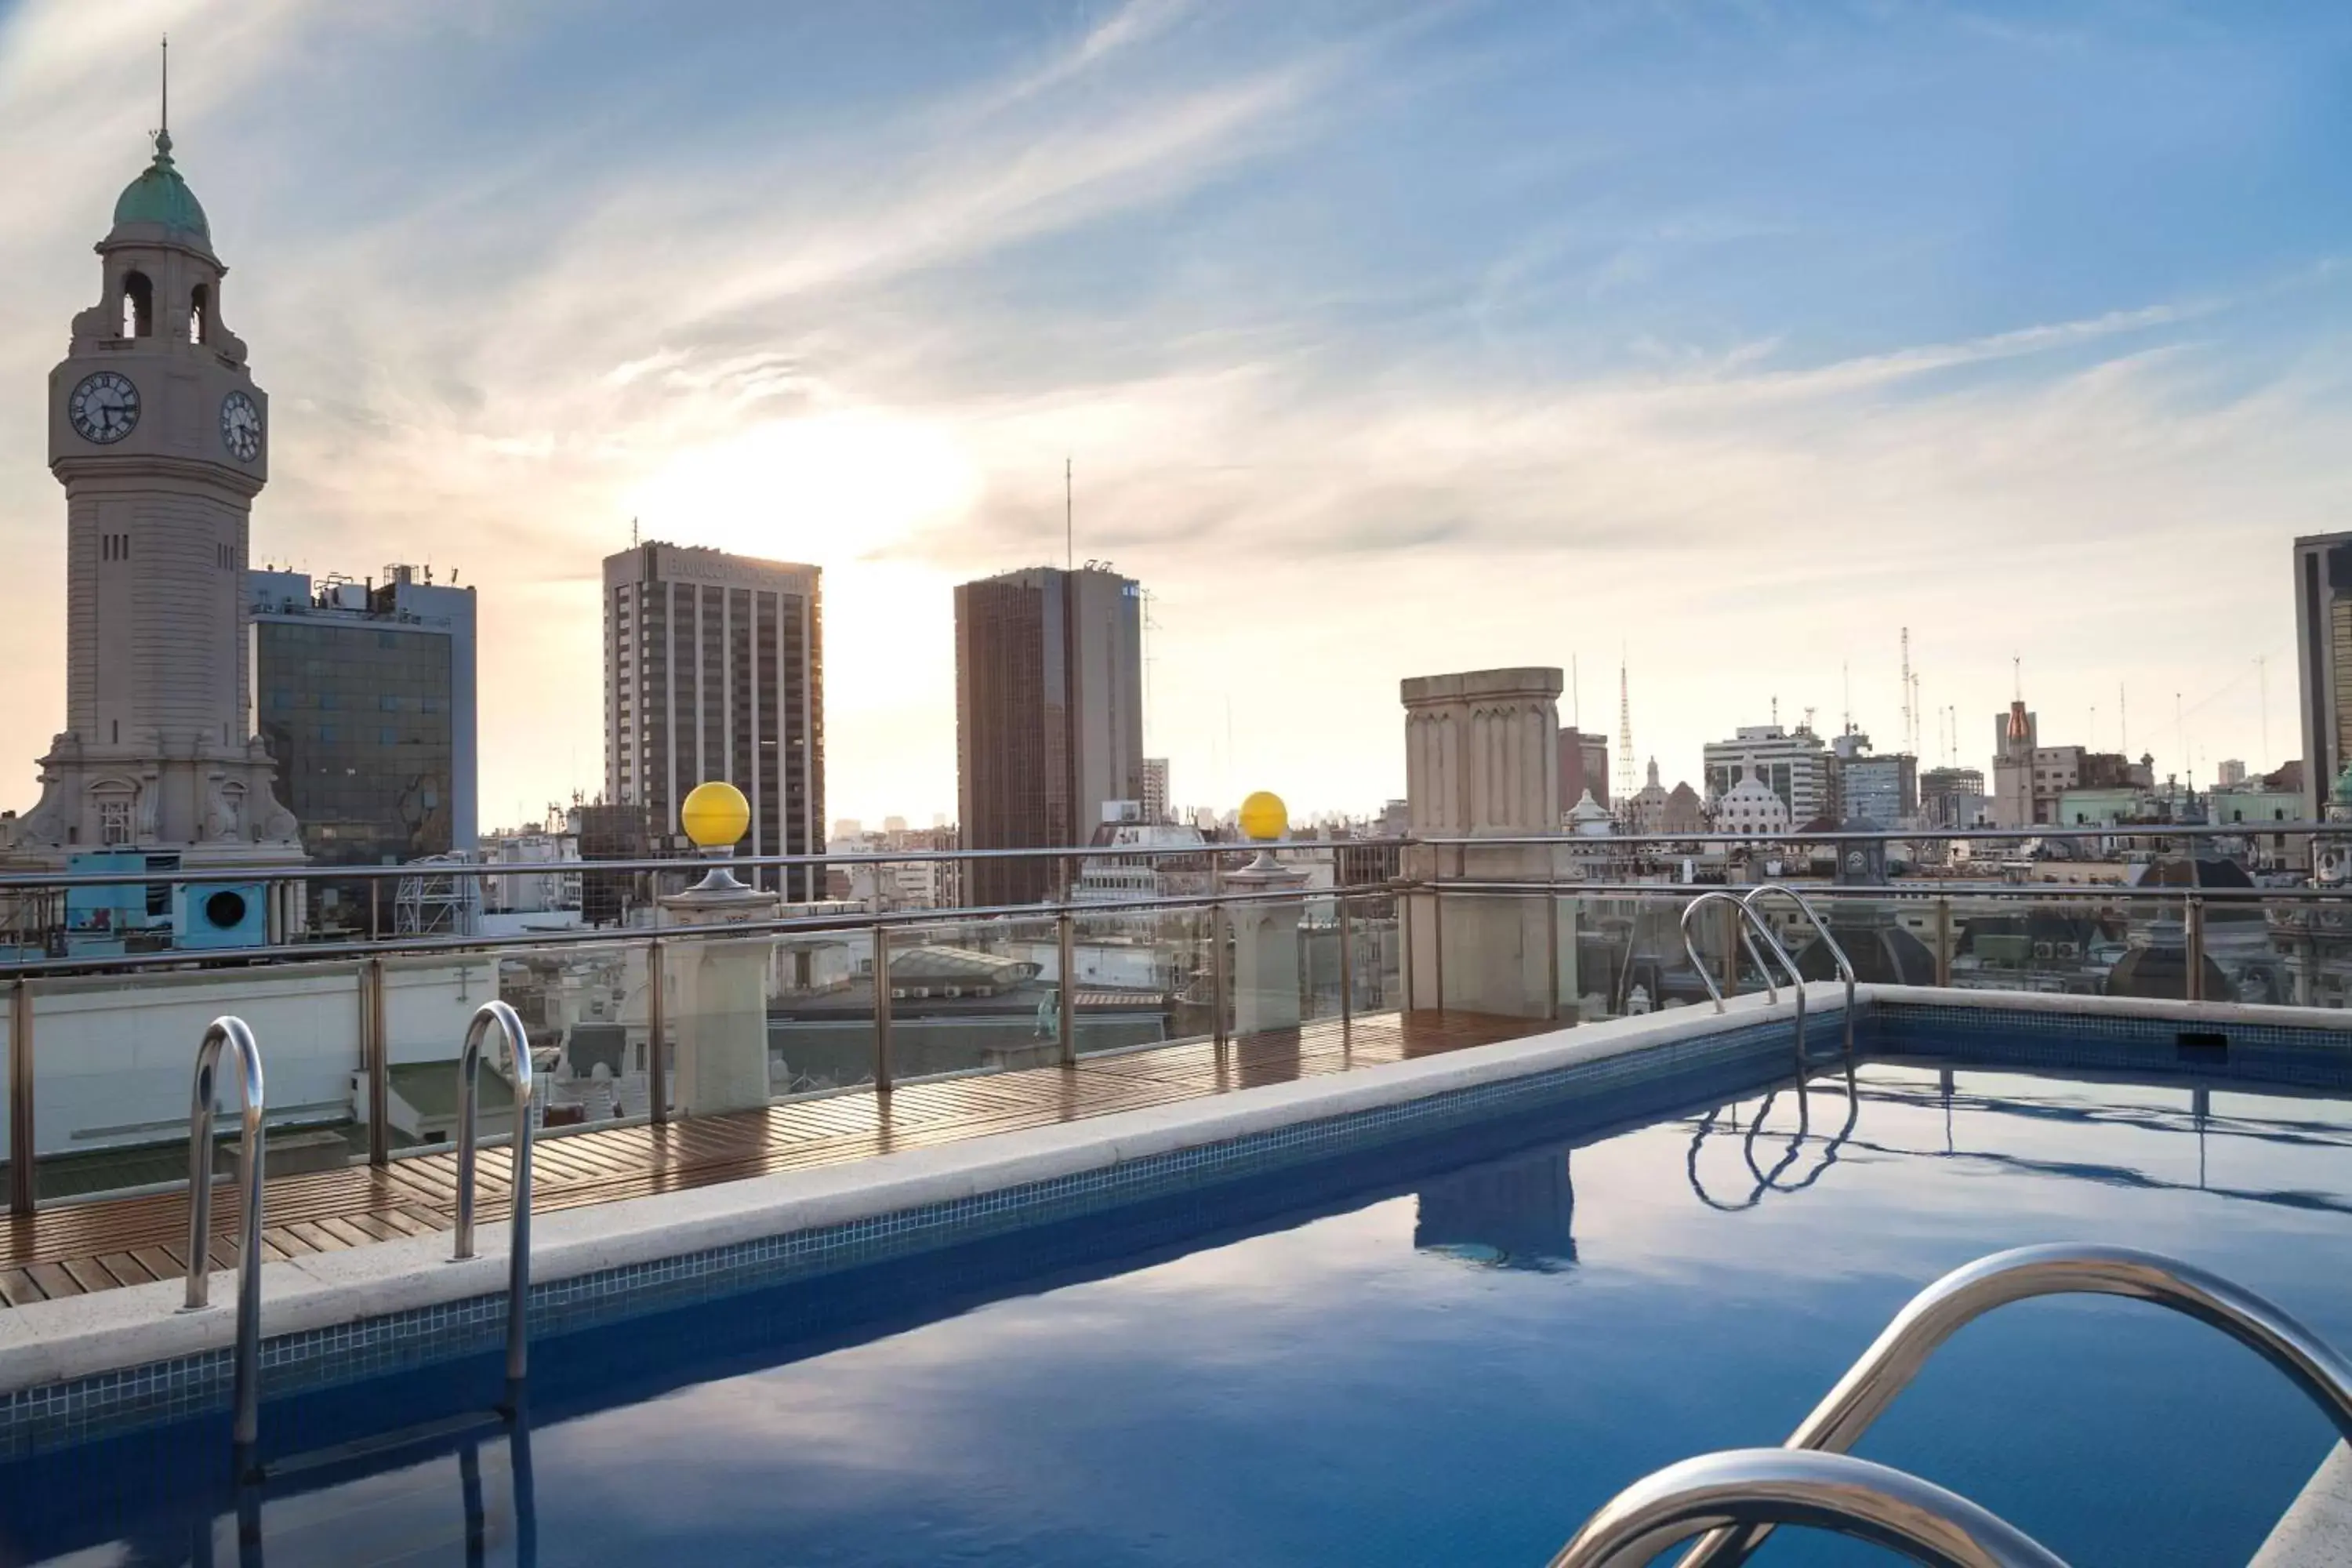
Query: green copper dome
[[159, 195]]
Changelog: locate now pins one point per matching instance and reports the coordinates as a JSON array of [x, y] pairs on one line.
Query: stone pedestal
[[716, 998], [1265, 948], [1482, 761]]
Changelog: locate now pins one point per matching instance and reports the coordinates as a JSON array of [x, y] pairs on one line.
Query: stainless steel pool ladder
[[487, 1015], [1738, 1497], [227, 1033], [1752, 926], [1821, 928]]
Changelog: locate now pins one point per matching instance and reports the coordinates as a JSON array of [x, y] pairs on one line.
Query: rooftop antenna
[[633, 533], [164, 130], [1910, 719], [1069, 519], [2262, 677], [2017, 677], [2123, 722], [1575, 696], [1845, 670], [1626, 787]]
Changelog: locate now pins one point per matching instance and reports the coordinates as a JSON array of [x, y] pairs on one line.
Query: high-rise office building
[[2323, 640], [161, 440], [1049, 717], [714, 668], [365, 693]]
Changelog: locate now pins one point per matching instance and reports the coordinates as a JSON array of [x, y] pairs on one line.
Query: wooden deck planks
[[105, 1244]]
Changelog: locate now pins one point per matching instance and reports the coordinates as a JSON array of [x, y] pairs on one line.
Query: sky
[[1718, 341]]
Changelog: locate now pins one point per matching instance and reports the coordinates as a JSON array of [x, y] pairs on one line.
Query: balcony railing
[[363, 1031]]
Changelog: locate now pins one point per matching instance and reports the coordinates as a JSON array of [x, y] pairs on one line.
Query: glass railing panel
[[583, 1007], [2298, 953], [975, 996], [1184, 955], [113, 1062], [819, 989], [1131, 964]]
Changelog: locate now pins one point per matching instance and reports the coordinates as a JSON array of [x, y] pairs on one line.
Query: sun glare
[[828, 488]]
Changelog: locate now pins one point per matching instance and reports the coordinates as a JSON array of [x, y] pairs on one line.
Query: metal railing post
[[657, 1031], [1219, 985], [469, 1061], [881, 1009], [2193, 923], [1066, 933], [1437, 943], [375, 1059], [230, 1033], [1404, 904], [1347, 970], [22, 1150], [1944, 939], [1551, 953]]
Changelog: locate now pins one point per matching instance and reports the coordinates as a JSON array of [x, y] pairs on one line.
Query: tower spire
[[165, 127]]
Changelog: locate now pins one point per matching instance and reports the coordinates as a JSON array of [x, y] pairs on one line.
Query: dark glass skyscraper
[[365, 693], [1049, 717], [714, 668]]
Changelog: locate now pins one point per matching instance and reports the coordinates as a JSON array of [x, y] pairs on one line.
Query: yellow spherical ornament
[[1264, 818], [715, 815]]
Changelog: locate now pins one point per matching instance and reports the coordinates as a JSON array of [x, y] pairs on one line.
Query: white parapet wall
[[113, 1054]]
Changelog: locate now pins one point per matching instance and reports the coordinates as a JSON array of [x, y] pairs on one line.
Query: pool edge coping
[[59, 1342], [48, 1343]]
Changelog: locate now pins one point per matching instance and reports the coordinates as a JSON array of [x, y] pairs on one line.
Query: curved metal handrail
[[1820, 927], [1969, 1292], [229, 1032], [1758, 1487], [1752, 926], [519, 1231]]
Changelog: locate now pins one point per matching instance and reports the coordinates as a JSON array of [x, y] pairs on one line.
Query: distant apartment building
[[1953, 797], [2323, 639], [1792, 763], [1155, 790], [714, 668], [1583, 765], [366, 692], [1049, 717], [2229, 773]]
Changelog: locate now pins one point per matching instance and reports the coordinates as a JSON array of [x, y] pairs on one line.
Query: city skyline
[[2064, 390]]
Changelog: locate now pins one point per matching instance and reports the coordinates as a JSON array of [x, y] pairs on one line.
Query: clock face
[[241, 427], [104, 408]]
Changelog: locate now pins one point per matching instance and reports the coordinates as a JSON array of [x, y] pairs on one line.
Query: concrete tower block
[[1482, 761]]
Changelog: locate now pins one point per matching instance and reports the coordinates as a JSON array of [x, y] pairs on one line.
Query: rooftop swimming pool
[[1449, 1349]]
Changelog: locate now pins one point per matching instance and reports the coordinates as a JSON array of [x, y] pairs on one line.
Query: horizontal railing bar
[[476, 870], [194, 960], [183, 958]]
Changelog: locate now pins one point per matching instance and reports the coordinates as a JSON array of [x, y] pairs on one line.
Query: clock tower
[[161, 441]]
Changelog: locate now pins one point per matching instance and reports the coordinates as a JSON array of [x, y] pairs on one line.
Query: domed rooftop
[[159, 196], [2343, 791]]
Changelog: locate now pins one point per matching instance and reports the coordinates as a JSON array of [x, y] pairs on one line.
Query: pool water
[[1449, 1353]]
